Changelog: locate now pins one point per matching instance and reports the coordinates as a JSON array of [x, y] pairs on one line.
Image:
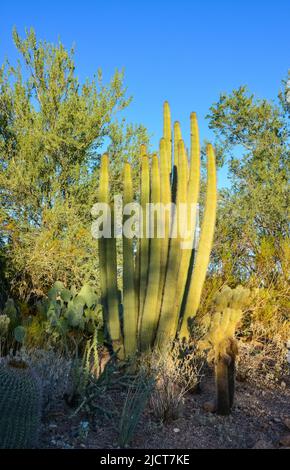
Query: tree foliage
[[52, 131], [253, 221]]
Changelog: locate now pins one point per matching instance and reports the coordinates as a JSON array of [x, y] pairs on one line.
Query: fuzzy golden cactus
[[221, 344]]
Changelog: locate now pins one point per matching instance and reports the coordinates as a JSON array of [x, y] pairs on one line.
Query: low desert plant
[[268, 315], [64, 320], [83, 368], [135, 402], [263, 360], [176, 372], [53, 370]]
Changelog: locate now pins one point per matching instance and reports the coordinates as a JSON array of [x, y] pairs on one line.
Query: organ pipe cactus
[[164, 291], [150, 314], [192, 199], [165, 199], [167, 134], [130, 317], [108, 264], [177, 138], [142, 262], [168, 322], [204, 247]]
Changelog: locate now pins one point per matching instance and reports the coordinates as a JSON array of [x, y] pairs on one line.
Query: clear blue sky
[[185, 51]]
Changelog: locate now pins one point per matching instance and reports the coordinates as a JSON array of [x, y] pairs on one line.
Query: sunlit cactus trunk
[[130, 313], [112, 293], [165, 197], [191, 216], [177, 138], [104, 198], [168, 322], [204, 248], [142, 263], [167, 134], [150, 313], [108, 265]]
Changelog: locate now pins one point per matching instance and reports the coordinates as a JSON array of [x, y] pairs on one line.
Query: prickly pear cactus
[[20, 406], [221, 344], [67, 308]]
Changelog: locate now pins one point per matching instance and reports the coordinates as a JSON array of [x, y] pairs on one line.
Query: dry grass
[[263, 361], [53, 371], [176, 372]]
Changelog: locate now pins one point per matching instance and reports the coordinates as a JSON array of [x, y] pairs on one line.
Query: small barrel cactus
[[20, 405]]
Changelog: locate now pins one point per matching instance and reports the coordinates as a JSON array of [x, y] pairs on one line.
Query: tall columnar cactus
[[130, 316], [104, 198], [192, 201], [204, 247], [168, 322], [221, 343], [150, 314], [166, 285], [167, 134], [143, 253], [108, 263], [20, 406], [165, 199], [177, 138]]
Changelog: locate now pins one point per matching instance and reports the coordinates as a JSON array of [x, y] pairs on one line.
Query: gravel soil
[[260, 419]]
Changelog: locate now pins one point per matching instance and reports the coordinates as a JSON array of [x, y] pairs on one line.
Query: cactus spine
[[166, 286]]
